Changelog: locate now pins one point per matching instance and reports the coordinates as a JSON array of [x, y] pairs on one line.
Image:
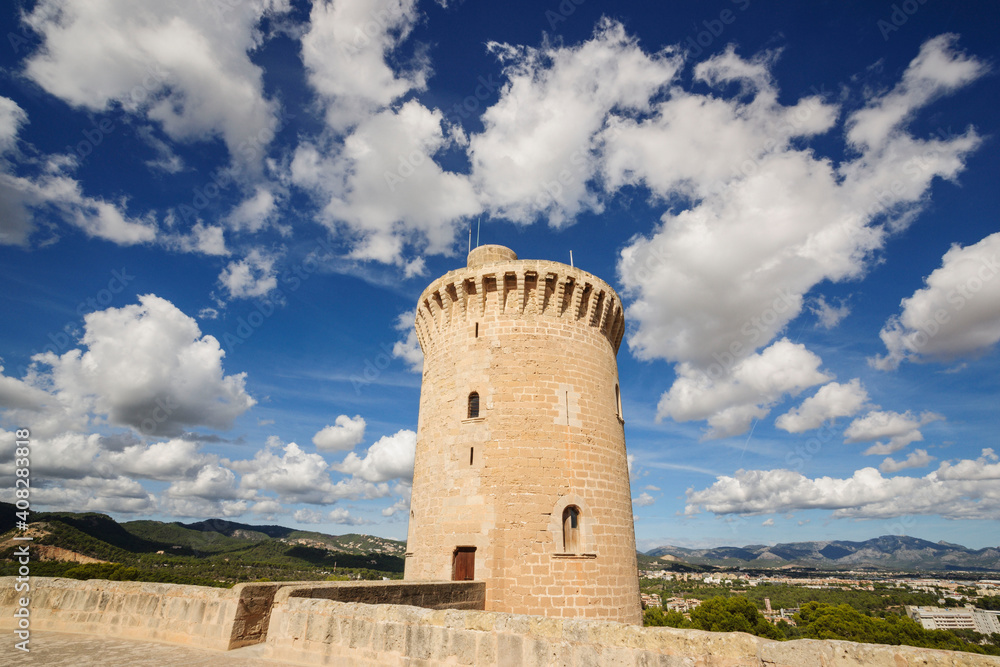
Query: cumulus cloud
[[900, 428], [170, 460], [382, 188], [644, 500], [957, 313], [831, 401], [254, 212], [408, 349], [24, 200], [828, 315], [299, 477], [918, 458], [146, 366], [731, 401], [343, 435], [12, 117], [188, 71], [539, 146], [706, 288], [253, 276], [864, 495], [391, 457], [346, 52], [983, 468]]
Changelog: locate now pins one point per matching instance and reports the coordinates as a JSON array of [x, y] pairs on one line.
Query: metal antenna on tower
[[470, 238], [478, 227], [571, 258]]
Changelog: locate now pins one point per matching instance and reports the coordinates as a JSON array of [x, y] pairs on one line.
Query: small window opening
[[473, 405], [618, 402], [571, 530], [477, 329], [472, 454]]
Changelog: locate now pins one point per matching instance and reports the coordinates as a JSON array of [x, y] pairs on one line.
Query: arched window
[[473, 405], [571, 529]]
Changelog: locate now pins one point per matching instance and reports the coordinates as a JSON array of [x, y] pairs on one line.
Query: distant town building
[[962, 618]]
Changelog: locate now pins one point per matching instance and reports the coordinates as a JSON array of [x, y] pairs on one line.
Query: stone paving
[[60, 649]]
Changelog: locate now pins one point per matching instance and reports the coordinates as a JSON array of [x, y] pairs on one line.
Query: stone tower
[[521, 477]]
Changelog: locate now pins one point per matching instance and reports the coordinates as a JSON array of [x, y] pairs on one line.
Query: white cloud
[[253, 276], [828, 315], [22, 200], [146, 366], [730, 402], [299, 477], [938, 69], [389, 458], [401, 505], [408, 349], [201, 238], [918, 458], [864, 495], [343, 517], [184, 64], [344, 435], [383, 189], [707, 289], [539, 146], [346, 52], [170, 460], [983, 468], [900, 428], [768, 522], [15, 394], [644, 500], [831, 401], [91, 494], [253, 213], [12, 117], [213, 482], [957, 313]]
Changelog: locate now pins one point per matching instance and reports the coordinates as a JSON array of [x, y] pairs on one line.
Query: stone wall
[[195, 615], [201, 616], [324, 632], [429, 595]]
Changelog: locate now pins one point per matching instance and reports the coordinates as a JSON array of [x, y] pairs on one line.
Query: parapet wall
[[323, 632], [201, 616], [519, 289], [305, 628], [216, 618]]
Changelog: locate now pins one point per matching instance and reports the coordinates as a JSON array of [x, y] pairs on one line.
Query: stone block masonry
[[521, 475], [324, 632], [304, 627]]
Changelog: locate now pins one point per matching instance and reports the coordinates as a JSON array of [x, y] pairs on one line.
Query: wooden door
[[464, 564]]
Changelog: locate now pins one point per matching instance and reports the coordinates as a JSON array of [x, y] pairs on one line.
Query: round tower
[[521, 477]]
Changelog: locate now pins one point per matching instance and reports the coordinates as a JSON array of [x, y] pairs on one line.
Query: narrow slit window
[[473, 405], [571, 530], [477, 329], [618, 402], [472, 455]]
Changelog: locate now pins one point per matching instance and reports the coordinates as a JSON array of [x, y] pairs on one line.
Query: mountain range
[[888, 552]]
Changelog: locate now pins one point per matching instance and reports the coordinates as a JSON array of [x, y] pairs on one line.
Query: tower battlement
[[496, 285]]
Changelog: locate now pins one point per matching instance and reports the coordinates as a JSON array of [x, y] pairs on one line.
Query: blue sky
[[215, 220]]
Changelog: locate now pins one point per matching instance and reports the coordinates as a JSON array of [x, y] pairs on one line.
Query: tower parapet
[[521, 476], [495, 285]]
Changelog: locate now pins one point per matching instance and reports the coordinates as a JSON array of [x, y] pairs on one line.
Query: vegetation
[[820, 620], [198, 554]]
